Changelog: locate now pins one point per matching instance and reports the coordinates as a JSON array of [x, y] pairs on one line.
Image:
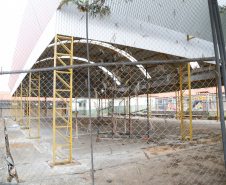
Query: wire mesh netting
[[140, 107]]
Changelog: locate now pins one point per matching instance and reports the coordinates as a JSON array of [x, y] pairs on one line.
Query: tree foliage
[[96, 7]]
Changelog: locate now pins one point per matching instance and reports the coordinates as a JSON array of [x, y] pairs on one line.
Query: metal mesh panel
[[141, 107]]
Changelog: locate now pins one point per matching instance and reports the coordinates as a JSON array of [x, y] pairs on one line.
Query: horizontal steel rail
[[153, 62]]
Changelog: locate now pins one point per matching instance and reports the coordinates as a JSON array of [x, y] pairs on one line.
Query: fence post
[[218, 78]]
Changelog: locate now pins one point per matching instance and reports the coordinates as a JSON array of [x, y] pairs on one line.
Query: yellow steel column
[[34, 105], [16, 105], [190, 103], [23, 102], [61, 50], [185, 84], [27, 105]]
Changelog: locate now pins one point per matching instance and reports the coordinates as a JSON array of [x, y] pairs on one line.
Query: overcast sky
[[11, 13], [222, 2]]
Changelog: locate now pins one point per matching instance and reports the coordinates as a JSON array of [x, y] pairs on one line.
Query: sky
[[11, 13], [222, 2]]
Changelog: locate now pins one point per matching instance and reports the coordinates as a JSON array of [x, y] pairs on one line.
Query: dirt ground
[[163, 159]]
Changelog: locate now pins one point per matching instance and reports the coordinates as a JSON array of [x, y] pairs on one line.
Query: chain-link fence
[[116, 92]]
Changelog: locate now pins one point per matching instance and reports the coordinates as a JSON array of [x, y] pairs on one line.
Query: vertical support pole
[[124, 106], [150, 105], [54, 102], [98, 121], [12, 107], [105, 99], [39, 107], [61, 76], [71, 87], [91, 143], [45, 88], [185, 84], [217, 101], [76, 110], [148, 123], [125, 113], [190, 105], [101, 104], [220, 39], [21, 104], [34, 105], [112, 114], [137, 102], [176, 105], [29, 105], [99, 109], [181, 101], [24, 105], [221, 106], [130, 126], [16, 105], [177, 94]]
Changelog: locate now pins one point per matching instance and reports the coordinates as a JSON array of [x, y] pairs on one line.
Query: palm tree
[[97, 7]]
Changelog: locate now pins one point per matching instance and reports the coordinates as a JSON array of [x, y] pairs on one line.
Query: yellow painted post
[[27, 105], [34, 106], [65, 124], [190, 105], [185, 84], [23, 101], [71, 83], [16, 105]]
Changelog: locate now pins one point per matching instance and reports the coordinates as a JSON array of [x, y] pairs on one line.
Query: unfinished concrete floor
[[163, 159]]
